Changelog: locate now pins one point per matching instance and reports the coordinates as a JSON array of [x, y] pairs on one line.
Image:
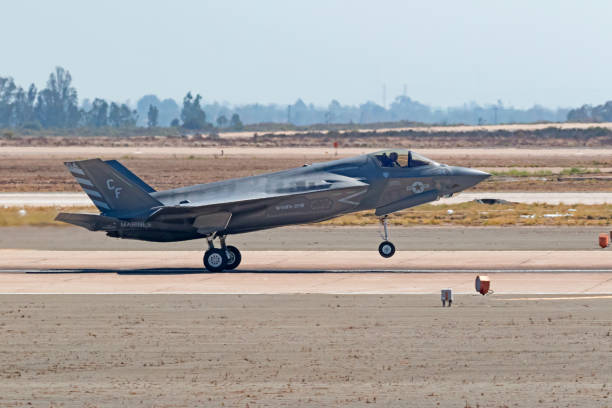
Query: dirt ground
[[303, 350], [41, 169]]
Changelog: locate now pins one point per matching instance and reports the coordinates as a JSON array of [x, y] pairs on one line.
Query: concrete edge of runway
[[273, 261], [294, 272]]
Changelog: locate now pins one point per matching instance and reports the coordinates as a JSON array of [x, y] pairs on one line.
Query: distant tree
[[7, 90], [235, 122], [23, 107], [175, 122], [98, 114], [168, 110], [152, 116], [582, 114], [114, 115], [603, 113], [192, 114], [127, 116], [222, 121], [56, 105]]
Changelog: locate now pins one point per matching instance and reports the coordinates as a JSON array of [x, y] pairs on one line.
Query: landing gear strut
[[227, 257], [386, 249]]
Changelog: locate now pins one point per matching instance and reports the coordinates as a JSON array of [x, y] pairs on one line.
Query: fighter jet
[[385, 181]]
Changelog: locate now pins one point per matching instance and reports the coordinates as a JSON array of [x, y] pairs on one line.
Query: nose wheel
[[386, 249], [227, 257]]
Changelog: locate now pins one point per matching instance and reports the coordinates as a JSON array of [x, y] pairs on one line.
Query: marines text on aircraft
[[386, 181]]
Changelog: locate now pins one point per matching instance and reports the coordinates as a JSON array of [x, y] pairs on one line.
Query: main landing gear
[[386, 249], [218, 259]]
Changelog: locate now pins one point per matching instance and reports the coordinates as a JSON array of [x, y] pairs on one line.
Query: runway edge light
[[447, 296], [604, 240], [483, 284]]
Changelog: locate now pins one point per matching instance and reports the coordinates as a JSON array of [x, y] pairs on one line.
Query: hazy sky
[[554, 53]]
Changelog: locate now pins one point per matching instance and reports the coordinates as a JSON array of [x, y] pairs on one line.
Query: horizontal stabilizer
[[92, 222]]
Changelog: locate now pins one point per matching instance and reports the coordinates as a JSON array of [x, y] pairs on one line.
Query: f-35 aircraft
[[386, 181]]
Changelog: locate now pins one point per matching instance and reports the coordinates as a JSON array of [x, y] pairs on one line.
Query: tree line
[[589, 113], [56, 107]]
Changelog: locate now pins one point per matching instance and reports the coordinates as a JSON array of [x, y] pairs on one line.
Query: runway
[[284, 272], [81, 200], [320, 238]]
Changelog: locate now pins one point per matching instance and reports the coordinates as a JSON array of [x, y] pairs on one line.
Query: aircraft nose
[[467, 177]]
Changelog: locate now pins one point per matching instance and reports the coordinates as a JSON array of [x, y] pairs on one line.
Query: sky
[[445, 53]]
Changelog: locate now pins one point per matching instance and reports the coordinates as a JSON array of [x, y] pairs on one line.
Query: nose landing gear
[[219, 259], [386, 249]]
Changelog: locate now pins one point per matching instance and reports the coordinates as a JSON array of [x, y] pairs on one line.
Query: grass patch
[[578, 170], [39, 216], [522, 173], [474, 214], [573, 171]]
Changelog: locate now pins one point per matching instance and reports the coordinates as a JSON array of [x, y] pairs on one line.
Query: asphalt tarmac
[[316, 238]]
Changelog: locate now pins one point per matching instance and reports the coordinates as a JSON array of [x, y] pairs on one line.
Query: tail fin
[[131, 176], [110, 189]]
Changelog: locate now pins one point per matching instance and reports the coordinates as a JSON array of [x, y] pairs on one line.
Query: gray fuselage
[[307, 194]]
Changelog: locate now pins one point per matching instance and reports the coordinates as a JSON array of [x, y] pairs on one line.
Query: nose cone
[[466, 178]]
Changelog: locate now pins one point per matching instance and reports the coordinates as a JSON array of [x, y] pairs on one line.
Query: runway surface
[[188, 281], [319, 238], [277, 272], [81, 200], [311, 261]]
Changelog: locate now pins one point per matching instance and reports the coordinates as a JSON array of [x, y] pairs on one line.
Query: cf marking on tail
[[110, 184]]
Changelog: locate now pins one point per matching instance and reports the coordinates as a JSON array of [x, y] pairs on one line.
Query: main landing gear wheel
[[386, 249], [233, 257], [215, 260]]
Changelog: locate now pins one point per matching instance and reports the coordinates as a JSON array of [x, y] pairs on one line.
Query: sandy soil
[[320, 238], [450, 129], [42, 169], [303, 350], [76, 152]]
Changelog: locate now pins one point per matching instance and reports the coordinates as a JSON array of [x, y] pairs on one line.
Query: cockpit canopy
[[403, 158]]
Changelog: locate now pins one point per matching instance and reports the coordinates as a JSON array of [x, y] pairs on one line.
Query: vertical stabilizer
[[109, 189]]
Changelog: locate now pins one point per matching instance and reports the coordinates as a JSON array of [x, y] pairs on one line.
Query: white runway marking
[[577, 297]]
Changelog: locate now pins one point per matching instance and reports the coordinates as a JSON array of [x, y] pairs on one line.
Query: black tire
[[215, 260], [233, 257], [386, 249]]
